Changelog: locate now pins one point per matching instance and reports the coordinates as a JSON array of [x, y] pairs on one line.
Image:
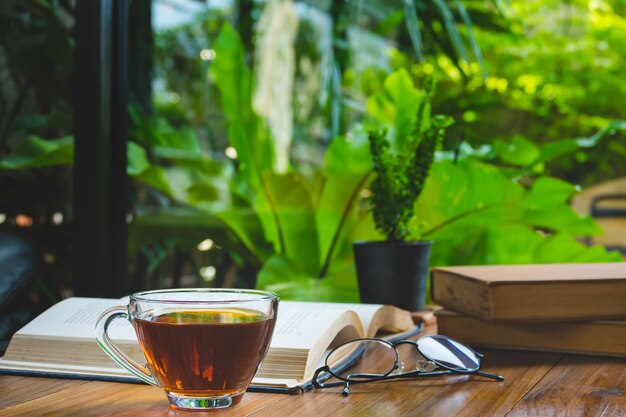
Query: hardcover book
[[601, 337], [544, 292]]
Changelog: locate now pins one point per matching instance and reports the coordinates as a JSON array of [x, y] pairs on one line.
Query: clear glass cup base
[[188, 402]]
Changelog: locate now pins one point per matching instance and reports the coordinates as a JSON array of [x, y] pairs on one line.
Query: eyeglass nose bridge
[[425, 365], [422, 365]]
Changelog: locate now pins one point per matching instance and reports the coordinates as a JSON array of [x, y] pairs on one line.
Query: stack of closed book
[[577, 308]]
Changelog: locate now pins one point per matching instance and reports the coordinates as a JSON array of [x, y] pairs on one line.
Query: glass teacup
[[202, 346]]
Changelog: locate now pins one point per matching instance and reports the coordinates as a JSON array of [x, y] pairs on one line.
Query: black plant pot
[[393, 272]]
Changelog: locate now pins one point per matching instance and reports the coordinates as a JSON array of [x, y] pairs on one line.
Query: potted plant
[[395, 271]]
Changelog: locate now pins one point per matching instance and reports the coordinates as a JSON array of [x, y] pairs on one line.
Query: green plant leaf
[[453, 33], [35, 152], [518, 151], [179, 144], [156, 177], [562, 218], [137, 159], [348, 154], [246, 132], [547, 206], [288, 219], [390, 22], [396, 105], [412, 25], [468, 190], [284, 277], [346, 173], [246, 226], [470, 35], [554, 150], [336, 213], [476, 215], [187, 226], [183, 184], [510, 244], [547, 192], [562, 247], [156, 132]]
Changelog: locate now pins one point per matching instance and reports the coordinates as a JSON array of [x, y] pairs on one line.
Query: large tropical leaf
[[288, 219], [476, 215], [246, 132], [346, 173], [547, 206], [283, 276]]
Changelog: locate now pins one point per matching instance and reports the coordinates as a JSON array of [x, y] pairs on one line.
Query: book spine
[[461, 294], [600, 337]]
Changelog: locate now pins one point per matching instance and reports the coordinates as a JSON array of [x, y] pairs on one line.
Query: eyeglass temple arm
[[415, 374], [488, 375], [317, 384], [447, 372]]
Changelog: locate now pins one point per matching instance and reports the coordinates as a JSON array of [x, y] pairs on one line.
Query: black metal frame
[[100, 182]]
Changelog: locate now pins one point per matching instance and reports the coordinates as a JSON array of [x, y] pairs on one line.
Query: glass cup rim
[[260, 295]]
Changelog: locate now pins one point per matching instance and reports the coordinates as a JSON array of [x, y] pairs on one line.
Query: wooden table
[[536, 384]]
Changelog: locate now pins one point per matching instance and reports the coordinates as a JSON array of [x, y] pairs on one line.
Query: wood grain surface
[[578, 386], [536, 384]]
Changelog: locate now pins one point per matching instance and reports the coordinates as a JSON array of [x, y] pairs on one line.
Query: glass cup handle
[[105, 342]]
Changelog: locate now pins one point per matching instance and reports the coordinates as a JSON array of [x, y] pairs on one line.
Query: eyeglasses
[[429, 356]]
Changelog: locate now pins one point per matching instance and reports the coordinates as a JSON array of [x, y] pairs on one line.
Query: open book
[[61, 341]]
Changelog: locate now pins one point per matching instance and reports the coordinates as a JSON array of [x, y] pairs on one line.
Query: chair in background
[[19, 266], [606, 203]]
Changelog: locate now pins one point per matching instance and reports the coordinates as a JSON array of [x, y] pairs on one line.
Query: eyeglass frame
[[346, 381]]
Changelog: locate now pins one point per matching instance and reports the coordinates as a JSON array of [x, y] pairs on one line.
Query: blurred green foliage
[[556, 74], [475, 212], [535, 89]]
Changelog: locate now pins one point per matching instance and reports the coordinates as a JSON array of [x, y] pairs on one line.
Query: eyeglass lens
[[449, 353], [378, 359]]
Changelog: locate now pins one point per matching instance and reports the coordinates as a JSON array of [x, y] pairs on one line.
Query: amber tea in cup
[[202, 346], [190, 352]]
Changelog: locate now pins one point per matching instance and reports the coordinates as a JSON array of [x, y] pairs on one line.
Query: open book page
[[301, 324], [304, 330], [76, 318], [373, 317]]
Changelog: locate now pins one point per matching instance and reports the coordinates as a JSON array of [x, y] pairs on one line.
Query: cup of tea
[[202, 346]]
